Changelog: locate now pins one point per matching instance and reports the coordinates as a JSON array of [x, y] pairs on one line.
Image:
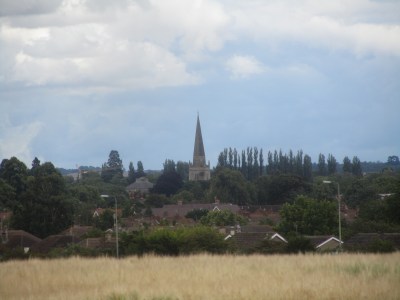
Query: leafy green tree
[[331, 164], [140, 170], [184, 195], [44, 208], [201, 239], [347, 166], [358, 192], [321, 165], [182, 168], [393, 206], [164, 241], [307, 169], [222, 218], [230, 186], [279, 189], [261, 159], [156, 200], [105, 220], [131, 173], [113, 167], [299, 244], [168, 183], [309, 216], [7, 195], [356, 166], [35, 165], [169, 166], [393, 160], [15, 173], [196, 214]]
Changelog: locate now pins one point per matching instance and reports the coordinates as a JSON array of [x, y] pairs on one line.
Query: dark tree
[[235, 159], [307, 168], [113, 167], [321, 165], [261, 159], [44, 208], [182, 168], [347, 166], [140, 170], [169, 166], [168, 183], [393, 160], [331, 164], [230, 186], [309, 216], [15, 173], [356, 166], [35, 163], [131, 173]]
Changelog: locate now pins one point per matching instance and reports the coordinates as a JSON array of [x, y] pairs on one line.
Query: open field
[[347, 276]]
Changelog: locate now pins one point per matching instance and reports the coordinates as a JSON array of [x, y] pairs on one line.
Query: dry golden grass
[[347, 276]]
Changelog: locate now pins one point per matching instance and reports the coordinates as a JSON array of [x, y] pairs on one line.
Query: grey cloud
[[28, 7]]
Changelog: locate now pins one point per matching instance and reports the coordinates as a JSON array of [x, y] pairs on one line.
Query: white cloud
[[16, 140], [244, 66], [113, 45], [360, 27]]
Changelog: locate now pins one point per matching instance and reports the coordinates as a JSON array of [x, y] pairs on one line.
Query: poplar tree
[[307, 168], [321, 165], [356, 166], [347, 166], [331, 164]]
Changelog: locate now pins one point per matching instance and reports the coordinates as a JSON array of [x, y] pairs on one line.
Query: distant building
[[199, 170], [141, 186]]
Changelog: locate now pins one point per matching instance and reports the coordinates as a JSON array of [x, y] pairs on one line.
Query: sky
[[79, 78]]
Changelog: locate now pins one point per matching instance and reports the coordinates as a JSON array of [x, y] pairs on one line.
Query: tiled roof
[[140, 184], [54, 241], [19, 238], [77, 230], [172, 210]]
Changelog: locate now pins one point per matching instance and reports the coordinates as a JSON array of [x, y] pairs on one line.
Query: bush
[[381, 246], [173, 242], [299, 244]]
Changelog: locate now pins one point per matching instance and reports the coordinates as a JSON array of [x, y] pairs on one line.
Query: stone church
[[199, 170]]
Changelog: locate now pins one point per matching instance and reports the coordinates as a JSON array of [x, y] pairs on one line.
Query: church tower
[[199, 170]]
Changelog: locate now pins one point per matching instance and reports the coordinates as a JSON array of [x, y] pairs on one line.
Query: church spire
[[199, 170], [198, 152]]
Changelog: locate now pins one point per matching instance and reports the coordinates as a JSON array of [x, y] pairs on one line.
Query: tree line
[[250, 162]]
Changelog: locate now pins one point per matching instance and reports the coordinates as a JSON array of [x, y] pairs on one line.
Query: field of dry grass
[[347, 276]]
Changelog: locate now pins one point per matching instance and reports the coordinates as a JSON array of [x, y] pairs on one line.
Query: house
[[249, 238], [77, 231], [324, 243], [141, 186], [18, 239], [54, 242], [98, 243], [181, 210]]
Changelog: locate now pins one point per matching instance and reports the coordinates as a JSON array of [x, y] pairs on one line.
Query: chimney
[[180, 202]]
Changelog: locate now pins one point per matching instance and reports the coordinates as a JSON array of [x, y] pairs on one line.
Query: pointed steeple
[[199, 156], [199, 170]]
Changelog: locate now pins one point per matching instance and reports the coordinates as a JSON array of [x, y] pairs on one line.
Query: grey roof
[[140, 184], [172, 210], [54, 241], [19, 238]]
